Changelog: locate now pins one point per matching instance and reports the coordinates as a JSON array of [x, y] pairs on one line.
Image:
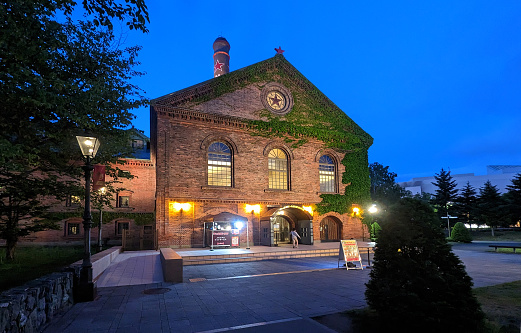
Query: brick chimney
[[221, 57]]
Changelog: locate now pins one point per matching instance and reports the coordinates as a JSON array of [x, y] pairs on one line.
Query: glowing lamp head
[[356, 210], [308, 209], [252, 208], [180, 206], [373, 209], [88, 145], [239, 225]]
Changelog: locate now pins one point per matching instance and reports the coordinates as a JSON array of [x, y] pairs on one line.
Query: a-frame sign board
[[348, 252]]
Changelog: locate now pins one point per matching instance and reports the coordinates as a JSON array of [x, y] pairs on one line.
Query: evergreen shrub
[[460, 233], [417, 283]]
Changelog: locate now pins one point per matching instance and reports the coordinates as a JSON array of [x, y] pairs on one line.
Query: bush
[[375, 231], [460, 233], [417, 284]]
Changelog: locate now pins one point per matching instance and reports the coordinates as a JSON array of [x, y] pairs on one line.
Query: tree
[[384, 189], [446, 193], [417, 283], [490, 206], [460, 233], [513, 200], [466, 204], [58, 80]]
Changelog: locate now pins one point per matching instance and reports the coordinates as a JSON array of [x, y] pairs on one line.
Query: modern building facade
[[498, 175]]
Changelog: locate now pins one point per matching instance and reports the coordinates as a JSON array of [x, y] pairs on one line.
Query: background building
[[499, 175]]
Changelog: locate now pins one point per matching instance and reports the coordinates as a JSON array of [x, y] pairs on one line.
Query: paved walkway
[[263, 296]]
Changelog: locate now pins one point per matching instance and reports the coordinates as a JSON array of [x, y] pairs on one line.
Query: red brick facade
[[181, 133], [141, 193]]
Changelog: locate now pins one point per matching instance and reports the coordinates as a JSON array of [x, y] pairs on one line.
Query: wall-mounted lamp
[[177, 207], [308, 209], [252, 208]]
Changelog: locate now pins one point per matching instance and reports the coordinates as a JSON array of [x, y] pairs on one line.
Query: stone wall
[[29, 307]]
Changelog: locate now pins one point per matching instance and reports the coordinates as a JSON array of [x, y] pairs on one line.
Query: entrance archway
[[330, 230], [276, 224]]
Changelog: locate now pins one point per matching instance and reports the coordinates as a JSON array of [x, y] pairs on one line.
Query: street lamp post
[[87, 288], [100, 245]]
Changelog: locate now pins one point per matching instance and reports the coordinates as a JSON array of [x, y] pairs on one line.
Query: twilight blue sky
[[436, 83]]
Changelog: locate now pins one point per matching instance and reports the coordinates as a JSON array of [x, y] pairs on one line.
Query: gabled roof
[[311, 107]]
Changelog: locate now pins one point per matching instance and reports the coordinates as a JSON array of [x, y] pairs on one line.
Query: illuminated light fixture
[[373, 209], [253, 208], [176, 206], [89, 146], [239, 225], [356, 210], [308, 209]]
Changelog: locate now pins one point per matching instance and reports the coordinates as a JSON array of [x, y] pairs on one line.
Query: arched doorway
[[276, 224], [329, 230]]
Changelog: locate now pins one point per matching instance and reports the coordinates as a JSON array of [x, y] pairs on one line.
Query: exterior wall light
[[176, 206], [308, 209], [252, 208]]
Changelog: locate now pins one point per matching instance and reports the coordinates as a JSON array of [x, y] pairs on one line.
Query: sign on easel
[[348, 252]]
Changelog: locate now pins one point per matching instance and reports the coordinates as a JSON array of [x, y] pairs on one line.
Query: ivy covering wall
[[313, 116]]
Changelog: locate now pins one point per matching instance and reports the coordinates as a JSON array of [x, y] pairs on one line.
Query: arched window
[[278, 170], [219, 165], [326, 172]]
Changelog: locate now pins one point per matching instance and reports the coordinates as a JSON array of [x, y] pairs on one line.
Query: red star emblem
[[275, 100], [279, 50], [218, 65]]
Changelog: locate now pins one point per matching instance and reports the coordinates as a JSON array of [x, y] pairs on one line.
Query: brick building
[[219, 168], [133, 205]]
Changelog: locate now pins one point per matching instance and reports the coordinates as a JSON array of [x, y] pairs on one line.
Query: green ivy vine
[[313, 116]]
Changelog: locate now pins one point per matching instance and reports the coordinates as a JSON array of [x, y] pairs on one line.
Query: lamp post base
[[86, 292]]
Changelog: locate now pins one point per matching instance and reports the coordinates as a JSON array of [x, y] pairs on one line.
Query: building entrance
[[282, 229], [329, 230], [277, 223]]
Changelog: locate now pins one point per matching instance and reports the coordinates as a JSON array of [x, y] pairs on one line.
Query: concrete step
[[245, 257]]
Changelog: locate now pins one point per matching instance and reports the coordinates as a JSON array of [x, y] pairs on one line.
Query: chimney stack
[[221, 57]]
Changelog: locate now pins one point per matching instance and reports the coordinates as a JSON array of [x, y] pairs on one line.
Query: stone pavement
[[262, 296]]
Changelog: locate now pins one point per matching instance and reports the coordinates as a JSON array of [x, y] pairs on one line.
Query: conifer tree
[[466, 204], [417, 283], [446, 193], [513, 198], [490, 206]]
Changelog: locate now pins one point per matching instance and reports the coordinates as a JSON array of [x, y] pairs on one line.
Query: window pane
[[219, 165], [277, 170], [73, 229], [326, 171], [122, 226], [124, 201]]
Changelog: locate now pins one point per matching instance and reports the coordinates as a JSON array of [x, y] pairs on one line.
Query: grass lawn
[[501, 304], [499, 236], [32, 262]]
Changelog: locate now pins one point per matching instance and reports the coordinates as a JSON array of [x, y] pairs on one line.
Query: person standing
[[295, 236]]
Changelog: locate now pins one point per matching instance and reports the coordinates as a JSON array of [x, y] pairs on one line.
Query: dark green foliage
[[460, 233], [446, 192], [466, 204], [384, 189], [375, 231], [417, 284], [490, 207], [59, 80], [513, 200]]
